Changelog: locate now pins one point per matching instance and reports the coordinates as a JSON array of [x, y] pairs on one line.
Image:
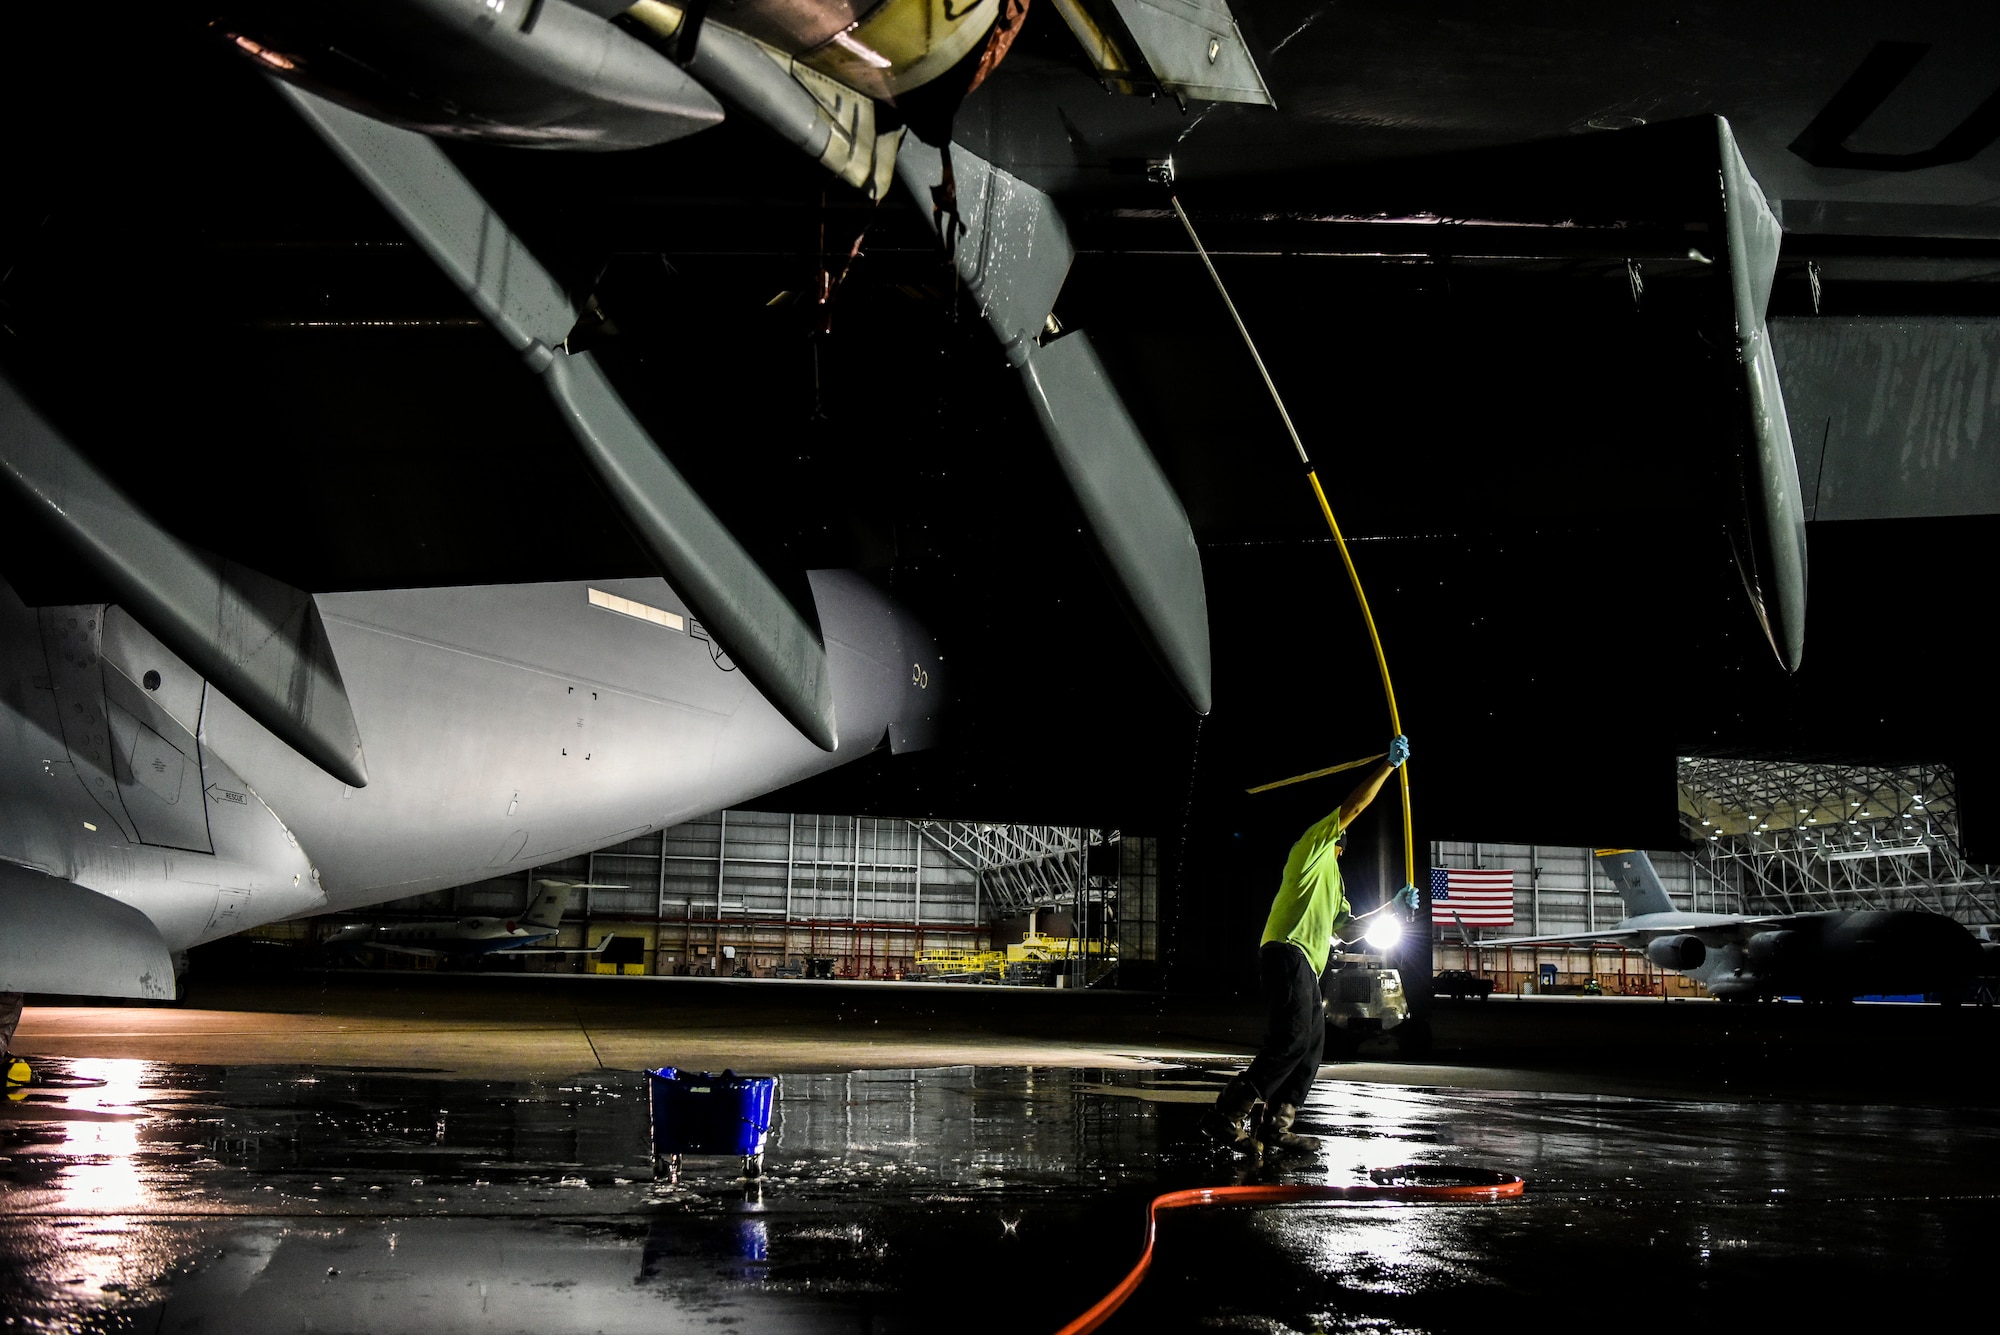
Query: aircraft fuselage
[[507, 726], [1836, 954]]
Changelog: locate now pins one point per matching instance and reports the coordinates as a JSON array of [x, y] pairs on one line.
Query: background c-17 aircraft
[[1831, 955], [270, 678]]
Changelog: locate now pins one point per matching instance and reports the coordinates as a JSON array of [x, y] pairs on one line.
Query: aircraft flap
[[1011, 248], [1134, 514], [1195, 49], [56, 936], [751, 617], [1012, 252], [452, 222], [261, 642], [1189, 48], [1773, 556], [723, 585]]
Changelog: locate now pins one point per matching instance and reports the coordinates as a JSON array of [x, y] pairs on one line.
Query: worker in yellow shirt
[[1311, 908]]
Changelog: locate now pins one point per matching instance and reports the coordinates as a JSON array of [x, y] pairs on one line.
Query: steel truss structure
[[1025, 867], [1795, 837]]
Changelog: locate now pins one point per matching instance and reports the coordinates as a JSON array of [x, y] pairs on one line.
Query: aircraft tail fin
[[1638, 883], [551, 901]]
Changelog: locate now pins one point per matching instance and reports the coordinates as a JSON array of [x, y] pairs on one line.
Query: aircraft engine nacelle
[[1769, 950], [1679, 953], [540, 73]]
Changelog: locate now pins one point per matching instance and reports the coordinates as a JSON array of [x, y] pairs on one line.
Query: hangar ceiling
[[1807, 836]]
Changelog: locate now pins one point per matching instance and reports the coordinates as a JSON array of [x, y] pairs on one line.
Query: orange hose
[[1494, 1187]]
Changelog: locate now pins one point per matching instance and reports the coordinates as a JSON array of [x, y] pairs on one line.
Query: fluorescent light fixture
[[611, 602], [1851, 854]]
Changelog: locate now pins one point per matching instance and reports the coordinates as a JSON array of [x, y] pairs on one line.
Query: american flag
[[1475, 898]]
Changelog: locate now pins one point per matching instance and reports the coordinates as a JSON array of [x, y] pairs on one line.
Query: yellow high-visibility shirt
[[1310, 899]]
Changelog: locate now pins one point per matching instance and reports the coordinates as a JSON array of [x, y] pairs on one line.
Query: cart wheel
[[753, 1166]]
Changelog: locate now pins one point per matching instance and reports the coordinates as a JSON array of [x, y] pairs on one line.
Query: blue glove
[[1407, 897], [1399, 751]]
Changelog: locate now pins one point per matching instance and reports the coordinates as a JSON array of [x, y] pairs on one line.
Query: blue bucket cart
[[700, 1113]]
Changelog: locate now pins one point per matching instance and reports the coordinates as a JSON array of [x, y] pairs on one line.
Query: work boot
[[1228, 1121], [1275, 1135]]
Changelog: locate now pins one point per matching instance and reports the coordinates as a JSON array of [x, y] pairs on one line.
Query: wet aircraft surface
[[181, 1198]]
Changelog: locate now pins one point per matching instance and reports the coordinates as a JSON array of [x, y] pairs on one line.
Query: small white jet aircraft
[[459, 938]]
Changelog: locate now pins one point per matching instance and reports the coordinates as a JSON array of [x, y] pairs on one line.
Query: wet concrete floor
[[370, 1196]]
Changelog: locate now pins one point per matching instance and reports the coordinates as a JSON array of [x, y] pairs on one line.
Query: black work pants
[[1288, 1059]]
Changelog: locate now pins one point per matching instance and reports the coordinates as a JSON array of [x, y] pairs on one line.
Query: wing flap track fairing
[[765, 635]]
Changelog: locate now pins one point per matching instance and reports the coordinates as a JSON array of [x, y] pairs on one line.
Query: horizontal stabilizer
[[1013, 253], [56, 936], [750, 617], [261, 642]]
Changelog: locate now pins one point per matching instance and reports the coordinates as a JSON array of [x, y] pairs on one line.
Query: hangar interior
[[1484, 251], [1761, 838], [759, 894]]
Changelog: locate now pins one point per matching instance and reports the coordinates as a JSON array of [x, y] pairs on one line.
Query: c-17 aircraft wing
[[1629, 934], [1006, 237], [1649, 912], [764, 634]]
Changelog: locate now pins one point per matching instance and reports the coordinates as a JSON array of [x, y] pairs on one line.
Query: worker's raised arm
[[1364, 792]]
